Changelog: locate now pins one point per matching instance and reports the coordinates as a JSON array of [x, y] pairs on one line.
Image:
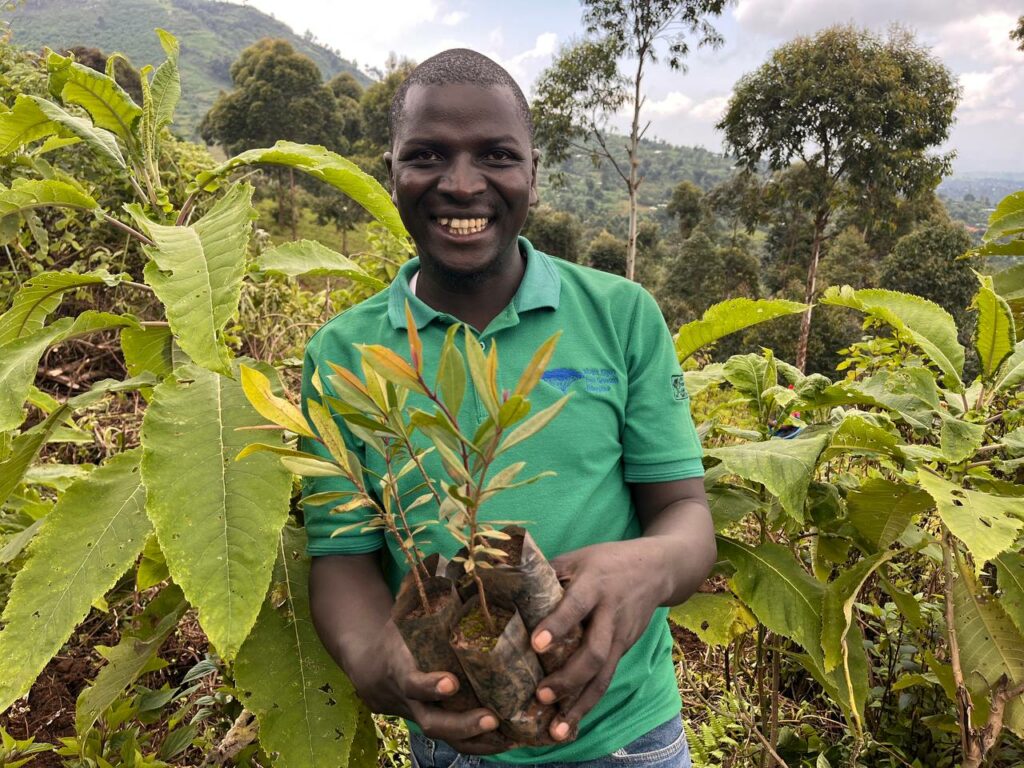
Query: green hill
[[212, 34], [598, 193]]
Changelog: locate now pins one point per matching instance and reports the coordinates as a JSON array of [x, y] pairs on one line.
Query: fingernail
[[542, 640], [561, 731], [488, 722], [445, 685], [546, 696]]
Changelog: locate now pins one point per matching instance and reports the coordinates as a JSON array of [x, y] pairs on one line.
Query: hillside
[[212, 34], [598, 192]]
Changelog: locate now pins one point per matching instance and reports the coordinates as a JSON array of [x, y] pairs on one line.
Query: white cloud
[[675, 103], [525, 65], [454, 18], [543, 48], [711, 109], [985, 37]]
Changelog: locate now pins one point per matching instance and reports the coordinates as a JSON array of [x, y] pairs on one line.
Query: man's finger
[[566, 724], [567, 683], [453, 727], [429, 686], [575, 606]]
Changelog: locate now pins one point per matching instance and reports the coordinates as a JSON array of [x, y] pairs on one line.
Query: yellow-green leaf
[[279, 410]]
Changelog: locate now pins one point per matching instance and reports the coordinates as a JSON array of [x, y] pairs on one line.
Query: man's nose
[[462, 179]]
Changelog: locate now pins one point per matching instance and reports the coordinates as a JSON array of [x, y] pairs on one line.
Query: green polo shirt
[[628, 421]]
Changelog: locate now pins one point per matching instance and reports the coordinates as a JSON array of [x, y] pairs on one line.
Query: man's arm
[[614, 588], [351, 608]]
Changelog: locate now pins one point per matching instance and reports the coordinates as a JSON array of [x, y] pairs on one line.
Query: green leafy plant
[[220, 545], [889, 469]]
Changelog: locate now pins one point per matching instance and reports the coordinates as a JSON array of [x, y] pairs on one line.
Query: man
[[626, 516]]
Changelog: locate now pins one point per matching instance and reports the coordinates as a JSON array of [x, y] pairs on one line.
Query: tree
[[1018, 34], [860, 113], [376, 105], [584, 88], [607, 253], [685, 206], [557, 233], [925, 263], [345, 84], [279, 94]]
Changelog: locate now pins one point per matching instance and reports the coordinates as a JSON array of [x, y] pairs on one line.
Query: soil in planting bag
[[526, 579], [503, 670], [427, 633], [435, 564]]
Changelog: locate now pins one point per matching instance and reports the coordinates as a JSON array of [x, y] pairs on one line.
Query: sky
[[970, 36]]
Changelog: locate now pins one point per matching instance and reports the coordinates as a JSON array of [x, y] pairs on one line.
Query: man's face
[[463, 175]]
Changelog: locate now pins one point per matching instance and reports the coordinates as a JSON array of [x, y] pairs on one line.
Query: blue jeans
[[663, 747]]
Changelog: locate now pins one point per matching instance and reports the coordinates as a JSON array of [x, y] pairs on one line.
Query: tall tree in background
[[584, 88], [278, 94], [1018, 34], [860, 113]]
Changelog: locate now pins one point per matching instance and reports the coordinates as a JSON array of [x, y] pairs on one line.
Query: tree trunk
[[634, 165], [812, 279], [291, 204]]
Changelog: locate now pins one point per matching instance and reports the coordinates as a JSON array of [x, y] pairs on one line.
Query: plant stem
[[963, 696], [127, 229]]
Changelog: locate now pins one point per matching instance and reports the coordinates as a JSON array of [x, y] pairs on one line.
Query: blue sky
[[970, 36]]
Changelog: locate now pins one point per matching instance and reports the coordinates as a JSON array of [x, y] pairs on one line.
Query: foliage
[[581, 91], [905, 468], [557, 233], [212, 543], [808, 104], [217, 33]]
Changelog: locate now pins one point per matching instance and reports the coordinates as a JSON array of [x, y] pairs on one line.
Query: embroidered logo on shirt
[[594, 379], [679, 387]]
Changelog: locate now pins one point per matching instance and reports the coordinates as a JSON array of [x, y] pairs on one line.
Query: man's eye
[[424, 156]]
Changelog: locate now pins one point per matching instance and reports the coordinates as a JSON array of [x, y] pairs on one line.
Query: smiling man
[[625, 519]]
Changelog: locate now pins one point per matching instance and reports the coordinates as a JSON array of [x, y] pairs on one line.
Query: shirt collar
[[540, 287]]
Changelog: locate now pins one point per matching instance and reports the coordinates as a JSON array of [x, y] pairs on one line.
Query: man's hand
[[355, 626], [614, 588]]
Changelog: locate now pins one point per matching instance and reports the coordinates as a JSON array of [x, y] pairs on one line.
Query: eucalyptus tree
[[585, 87], [858, 112]]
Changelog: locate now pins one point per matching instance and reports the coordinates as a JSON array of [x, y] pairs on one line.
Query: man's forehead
[[427, 106]]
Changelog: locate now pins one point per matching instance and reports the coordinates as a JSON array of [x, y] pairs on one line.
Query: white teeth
[[463, 226]]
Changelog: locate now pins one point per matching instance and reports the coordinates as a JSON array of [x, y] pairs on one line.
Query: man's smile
[[461, 227]]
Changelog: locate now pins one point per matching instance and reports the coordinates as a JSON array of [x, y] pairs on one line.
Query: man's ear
[[388, 158], [535, 159]]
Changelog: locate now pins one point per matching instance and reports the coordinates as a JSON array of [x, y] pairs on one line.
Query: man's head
[[454, 66], [462, 165]]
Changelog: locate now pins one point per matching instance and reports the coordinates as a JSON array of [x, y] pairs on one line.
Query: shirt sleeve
[[320, 521], [660, 442]]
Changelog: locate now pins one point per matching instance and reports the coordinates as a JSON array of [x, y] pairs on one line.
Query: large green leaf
[[986, 523], [995, 335], [24, 124], [41, 295], [751, 374], [130, 657], [1010, 578], [25, 195], [20, 358], [196, 271], [101, 140], [1009, 283], [990, 644], [307, 709], [716, 618], [730, 504], [788, 601], [880, 510], [729, 317], [92, 536], [160, 98], [924, 322], [310, 258], [148, 349], [107, 103], [784, 467], [837, 608], [1007, 218], [1011, 373], [958, 439], [326, 166], [216, 519], [909, 394], [864, 434]]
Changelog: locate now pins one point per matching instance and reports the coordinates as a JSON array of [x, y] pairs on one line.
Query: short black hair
[[458, 65]]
